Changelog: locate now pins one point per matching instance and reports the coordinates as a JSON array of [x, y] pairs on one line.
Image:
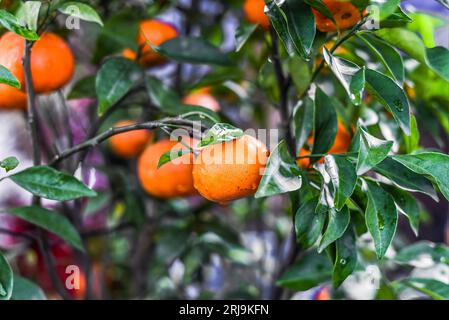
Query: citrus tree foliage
[[325, 214]]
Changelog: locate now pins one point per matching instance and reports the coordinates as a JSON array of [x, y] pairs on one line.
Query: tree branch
[[88, 144]]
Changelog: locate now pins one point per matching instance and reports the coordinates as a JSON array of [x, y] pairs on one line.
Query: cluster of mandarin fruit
[[52, 67]]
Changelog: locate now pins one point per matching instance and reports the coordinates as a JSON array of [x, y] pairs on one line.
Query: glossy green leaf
[[8, 78], [372, 151], [435, 58], [114, 80], [50, 221], [220, 132], [391, 96], [407, 205], [349, 74], [381, 217], [242, 34], [337, 224], [309, 223], [10, 22], [170, 103], [172, 155], [423, 250], [387, 55], [83, 88], [193, 50], [6, 278], [435, 289], [433, 164], [48, 183], [303, 121], [325, 123], [345, 259], [386, 8], [281, 174], [28, 14], [309, 271], [405, 178], [9, 163], [81, 11], [25, 289], [321, 7], [412, 142], [343, 176]]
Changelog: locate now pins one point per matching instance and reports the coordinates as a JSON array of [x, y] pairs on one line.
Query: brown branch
[[88, 144]]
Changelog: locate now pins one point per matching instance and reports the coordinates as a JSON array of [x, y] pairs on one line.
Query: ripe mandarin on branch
[[173, 179], [52, 66], [341, 145], [231, 170], [129, 144], [345, 15], [254, 12], [155, 32]]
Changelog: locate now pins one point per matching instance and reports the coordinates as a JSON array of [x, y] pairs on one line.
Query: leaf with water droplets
[[391, 96], [381, 216], [345, 259]]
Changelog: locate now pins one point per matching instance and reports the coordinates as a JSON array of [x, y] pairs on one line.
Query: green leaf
[[325, 123], [412, 142], [83, 88], [25, 289], [8, 78], [114, 80], [309, 223], [337, 224], [281, 174], [172, 155], [9, 163], [321, 7], [433, 164], [372, 151], [170, 103], [48, 183], [301, 26], [345, 259], [213, 242], [387, 55], [309, 271], [349, 74], [50, 221], [391, 96], [6, 278], [412, 254], [436, 58], [28, 14], [405, 178], [220, 132], [435, 289], [10, 22], [343, 176], [303, 121], [242, 34], [193, 50], [387, 8], [381, 217], [81, 11], [407, 205]]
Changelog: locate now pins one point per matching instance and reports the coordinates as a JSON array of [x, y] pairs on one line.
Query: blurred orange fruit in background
[[254, 12], [129, 144], [173, 179], [345, 15]]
